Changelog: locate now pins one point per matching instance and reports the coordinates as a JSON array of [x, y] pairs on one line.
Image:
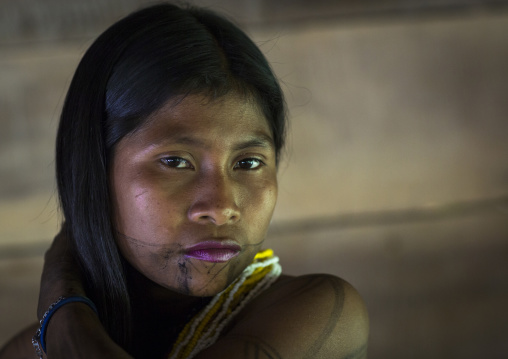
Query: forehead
[[203, 119]]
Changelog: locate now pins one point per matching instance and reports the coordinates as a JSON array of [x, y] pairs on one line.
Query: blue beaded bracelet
[[41, 332]]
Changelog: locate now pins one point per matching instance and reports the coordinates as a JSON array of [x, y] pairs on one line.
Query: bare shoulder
[[311, 316]]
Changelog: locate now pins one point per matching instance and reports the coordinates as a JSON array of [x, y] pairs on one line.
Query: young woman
[[167, 155]]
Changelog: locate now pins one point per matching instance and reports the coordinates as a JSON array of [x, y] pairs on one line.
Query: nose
[[215, 201]]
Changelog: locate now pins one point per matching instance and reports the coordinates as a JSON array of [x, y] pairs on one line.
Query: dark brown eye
[[249, 164], [176, 162]]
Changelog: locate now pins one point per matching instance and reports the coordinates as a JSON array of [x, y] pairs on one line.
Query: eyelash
[[247, 160], [168, 161], [171, 160]]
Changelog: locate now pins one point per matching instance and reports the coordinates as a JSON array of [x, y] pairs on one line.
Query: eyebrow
[[257, 140]]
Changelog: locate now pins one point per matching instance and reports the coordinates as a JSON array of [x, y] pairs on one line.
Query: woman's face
[[193, 192]]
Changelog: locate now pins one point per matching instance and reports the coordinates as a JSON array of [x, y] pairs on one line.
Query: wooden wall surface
[[396, 172]]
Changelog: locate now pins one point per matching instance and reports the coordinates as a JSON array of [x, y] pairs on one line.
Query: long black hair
[[130, 71]]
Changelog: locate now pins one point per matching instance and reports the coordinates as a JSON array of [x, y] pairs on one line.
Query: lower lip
[[214, 255]]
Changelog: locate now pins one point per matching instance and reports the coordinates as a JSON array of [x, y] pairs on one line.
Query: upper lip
[[215, 244]]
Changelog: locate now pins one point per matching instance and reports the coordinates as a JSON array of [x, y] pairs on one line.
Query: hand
[[74, 331], [60, 275]]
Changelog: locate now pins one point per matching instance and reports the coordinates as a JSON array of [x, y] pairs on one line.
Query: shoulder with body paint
[[310, 316]]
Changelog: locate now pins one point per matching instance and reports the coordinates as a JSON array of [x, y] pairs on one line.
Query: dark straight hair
[[129, 72]]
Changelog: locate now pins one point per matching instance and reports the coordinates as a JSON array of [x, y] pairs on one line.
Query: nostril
[[216, 217], [216, 212], [207, 219]]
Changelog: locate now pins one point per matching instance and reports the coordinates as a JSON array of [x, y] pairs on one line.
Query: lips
[[214, 251]]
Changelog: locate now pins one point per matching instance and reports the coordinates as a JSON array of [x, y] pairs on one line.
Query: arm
[[74, 331], [20, 347], [59, 277], [315, 316]]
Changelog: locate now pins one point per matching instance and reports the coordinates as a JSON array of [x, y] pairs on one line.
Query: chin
[[207, 280], [200, 288]]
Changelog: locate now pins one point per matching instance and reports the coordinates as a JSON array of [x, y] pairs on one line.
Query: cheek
[[132, 212], [147, 211], [270, 199], [261, 203], [147, 217], [146, 233]]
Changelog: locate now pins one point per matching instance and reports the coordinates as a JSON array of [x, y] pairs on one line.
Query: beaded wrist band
[[38, 339]]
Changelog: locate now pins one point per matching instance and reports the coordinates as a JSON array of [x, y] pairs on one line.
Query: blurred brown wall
[[396, 172]]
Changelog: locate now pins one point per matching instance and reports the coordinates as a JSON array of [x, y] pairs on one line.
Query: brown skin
[[199, 170]]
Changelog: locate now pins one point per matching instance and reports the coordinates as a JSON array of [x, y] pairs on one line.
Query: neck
[[164, 301], [158, 314]]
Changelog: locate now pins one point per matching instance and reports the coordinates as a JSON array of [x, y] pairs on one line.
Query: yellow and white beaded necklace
[[204, 329]]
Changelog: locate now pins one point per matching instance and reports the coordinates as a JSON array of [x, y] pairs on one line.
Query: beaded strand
[[204, 329], [209, 339]]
